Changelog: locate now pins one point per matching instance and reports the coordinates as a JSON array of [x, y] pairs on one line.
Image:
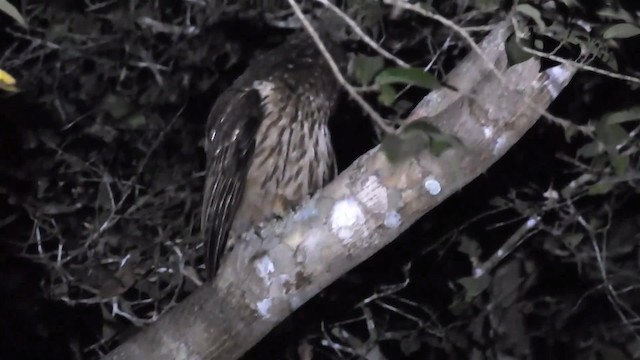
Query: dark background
[[560, 300]]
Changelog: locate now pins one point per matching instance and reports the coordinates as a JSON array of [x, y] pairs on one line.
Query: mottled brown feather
[[268, 144]]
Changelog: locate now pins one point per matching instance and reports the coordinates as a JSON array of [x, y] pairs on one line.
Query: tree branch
[[281, 266]]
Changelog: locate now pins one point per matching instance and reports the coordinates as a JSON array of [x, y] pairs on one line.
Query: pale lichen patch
[[488, 131], [263, 306], [433, 186], [306, 212], [501, 143], [346, 218], [294, 238], [392, 219], [264, 267], [295, 302], [312, 245], [373, 195]]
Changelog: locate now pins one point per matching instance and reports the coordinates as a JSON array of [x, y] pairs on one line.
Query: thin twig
[[336, 71], [515, 240], [561, 60], [587, 130], [366, 38], [113, 218]]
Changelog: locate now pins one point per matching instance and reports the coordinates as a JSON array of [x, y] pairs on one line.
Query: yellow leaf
[[6, 78], [7, 82], [9, 88]]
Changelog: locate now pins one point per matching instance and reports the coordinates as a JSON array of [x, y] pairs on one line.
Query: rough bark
[[276, 270]]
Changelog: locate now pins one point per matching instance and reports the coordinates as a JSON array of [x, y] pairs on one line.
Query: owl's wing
[[231, 130]]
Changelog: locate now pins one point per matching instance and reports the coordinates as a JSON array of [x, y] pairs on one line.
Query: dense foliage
[[101, 180]]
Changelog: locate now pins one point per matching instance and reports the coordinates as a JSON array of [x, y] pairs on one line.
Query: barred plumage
[[268, 144]]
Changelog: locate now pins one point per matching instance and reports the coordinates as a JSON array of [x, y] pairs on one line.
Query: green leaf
[[414, 138], [459, 307], [621, 31], [572, 240], [409, 76], [601, 187], [611, 61], [11, 10], [576, 185], [106, 133], [134, 121], [397, 148], [590, 150], [104, 198], [610, 13], [486, 5], [366, 67], [438, 141], [611, 135], [474, 286], [410, 345], [620, 163], [569, 132], [469, 247], [631, 114], [610, 353], [438, 146], [387, 95], [538, 44], [409, 142], [420, 125], [533, 13], [515, 53], [497, 202], [116, 106]]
